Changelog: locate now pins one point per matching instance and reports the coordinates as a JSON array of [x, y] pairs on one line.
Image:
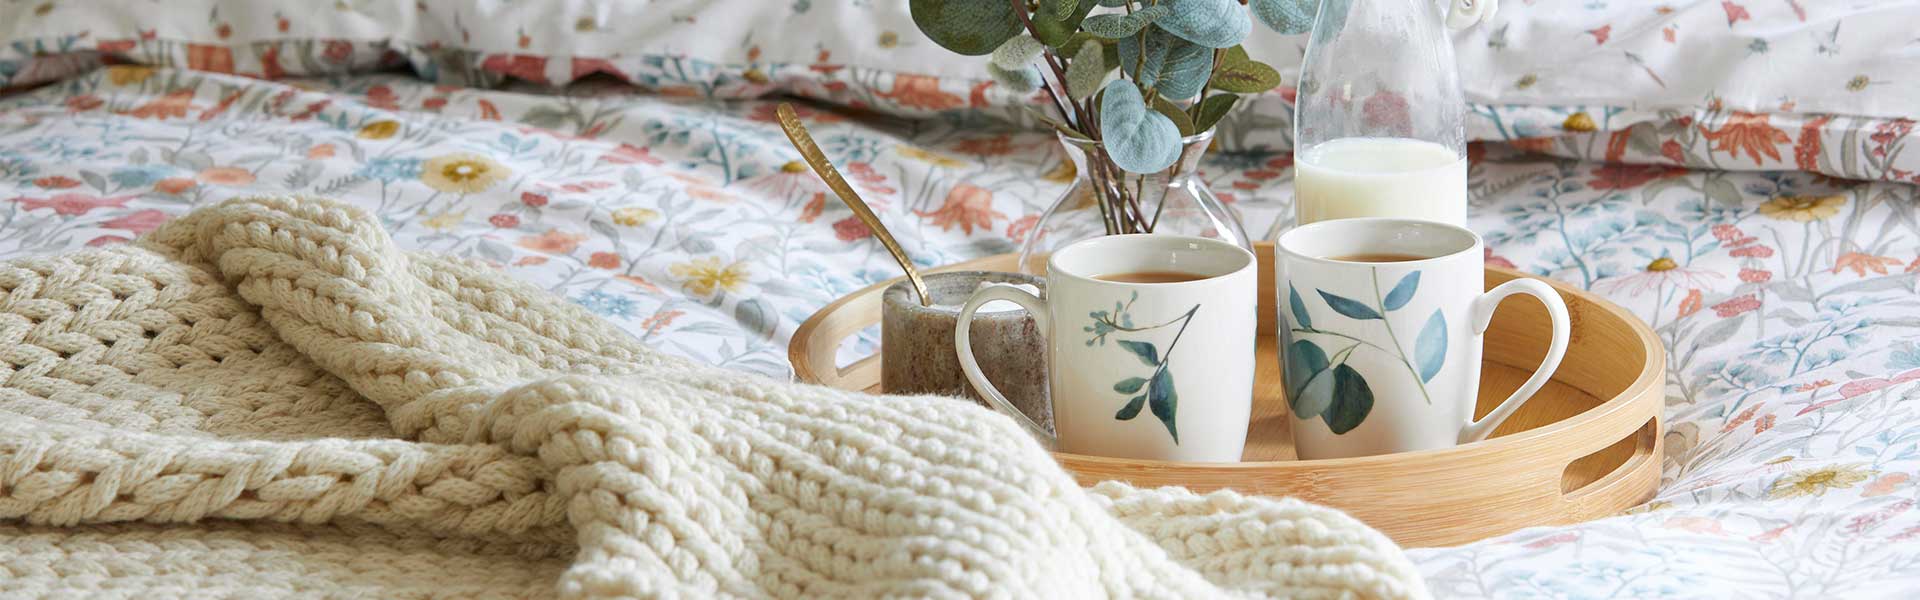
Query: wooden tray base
[[1587, 446]]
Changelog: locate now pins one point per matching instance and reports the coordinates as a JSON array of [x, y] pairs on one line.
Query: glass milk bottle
[[1379, 130]]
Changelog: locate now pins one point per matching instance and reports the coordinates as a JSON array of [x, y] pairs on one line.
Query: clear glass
[[1175, 201], [1379, 129]]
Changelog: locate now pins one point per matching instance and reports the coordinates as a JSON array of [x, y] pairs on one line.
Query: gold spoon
[[797, 134]]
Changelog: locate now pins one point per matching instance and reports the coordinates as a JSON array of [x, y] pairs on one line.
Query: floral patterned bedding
[[1787, 300]]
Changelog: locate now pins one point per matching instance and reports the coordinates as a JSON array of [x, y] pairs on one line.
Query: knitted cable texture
[[268, 398]]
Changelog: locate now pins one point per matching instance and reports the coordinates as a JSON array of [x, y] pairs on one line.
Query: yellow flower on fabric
[[793, 166], [1803, 209], [128, 74], [445, 220], [706, 275], [1816, 482], [634, 216], [1579, 122], [927, 157], [378, 130], [462, 173]]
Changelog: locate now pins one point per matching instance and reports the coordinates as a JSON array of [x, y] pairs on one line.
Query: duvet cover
[[1776, 253]]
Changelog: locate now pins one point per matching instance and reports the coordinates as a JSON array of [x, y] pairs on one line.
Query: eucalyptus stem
[[1059, 74]]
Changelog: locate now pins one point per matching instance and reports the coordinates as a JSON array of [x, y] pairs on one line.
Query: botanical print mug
[[1149, 347], [1381, 338]]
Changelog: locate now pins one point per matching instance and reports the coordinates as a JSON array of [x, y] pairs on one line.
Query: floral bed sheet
[[1787, 300]]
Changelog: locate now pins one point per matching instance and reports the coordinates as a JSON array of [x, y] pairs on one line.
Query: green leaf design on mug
[[1306, 363], [1132, 409], [1352, 400], [1145, 351], [1325, 385], [1299, 308], [1163, 399], [1349, 307], [1159, 392], [1402, 292], [1430, 349]]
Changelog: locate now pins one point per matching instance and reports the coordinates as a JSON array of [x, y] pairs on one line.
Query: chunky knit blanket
[[267, 397]]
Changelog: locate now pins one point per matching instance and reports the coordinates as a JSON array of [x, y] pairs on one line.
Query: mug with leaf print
[[1381, 339], [1150, 349]]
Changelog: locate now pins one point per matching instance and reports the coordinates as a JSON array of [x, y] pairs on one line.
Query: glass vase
[[1174, 201], [1379, 127]]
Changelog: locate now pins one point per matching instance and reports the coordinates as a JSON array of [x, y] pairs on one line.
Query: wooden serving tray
[[1586, 446]]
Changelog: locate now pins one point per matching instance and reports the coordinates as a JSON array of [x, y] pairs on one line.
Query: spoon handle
[[797, 133]]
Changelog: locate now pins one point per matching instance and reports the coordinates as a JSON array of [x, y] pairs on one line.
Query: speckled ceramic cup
[[916, 343]]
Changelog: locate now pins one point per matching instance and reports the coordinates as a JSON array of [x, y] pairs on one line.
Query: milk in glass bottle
[[1379, 129]]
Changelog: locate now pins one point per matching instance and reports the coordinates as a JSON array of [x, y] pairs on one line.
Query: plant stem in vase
[[1174, 201]]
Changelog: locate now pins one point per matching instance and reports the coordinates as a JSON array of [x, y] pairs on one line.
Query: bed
[[1773, 244]]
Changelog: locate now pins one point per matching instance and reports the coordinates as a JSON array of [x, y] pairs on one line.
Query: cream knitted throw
[[267, 398]]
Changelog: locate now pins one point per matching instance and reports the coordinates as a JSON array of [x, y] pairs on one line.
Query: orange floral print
[[921, 91], [175, 104], [226, 176], [604, 260], [1860, 263], [967, 206], [1749, 132], [553, 241], [175, 185]]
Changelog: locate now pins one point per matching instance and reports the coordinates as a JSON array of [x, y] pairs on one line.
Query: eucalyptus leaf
[[1174, 67], [1430, 349], [1212, 109], [1304, 364], [1288, 17], [1087, 69], [1315, 397], [1119, 25], [1059, 32], [1352, 400], [1294, 304], [1137, 139], [1209, 23], [1023, 80], [1174, 113], [1164, 401], [969, 27], [1058, 10], [1130, 385], [1353, 309], [1242, 75], [1402, 292], [1132, 409], [1018, 51], [1145, 351]]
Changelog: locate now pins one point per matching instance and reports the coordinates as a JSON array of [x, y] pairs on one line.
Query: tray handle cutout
[[1577, 486]]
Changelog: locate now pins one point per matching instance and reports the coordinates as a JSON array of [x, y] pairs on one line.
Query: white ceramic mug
[[1383, 357], [1160, 371]]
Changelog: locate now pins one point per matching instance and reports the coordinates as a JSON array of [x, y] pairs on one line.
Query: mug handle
[[963, 345], [1483, 308]]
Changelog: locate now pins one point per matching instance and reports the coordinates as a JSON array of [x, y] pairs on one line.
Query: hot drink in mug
[[1149, 347]]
